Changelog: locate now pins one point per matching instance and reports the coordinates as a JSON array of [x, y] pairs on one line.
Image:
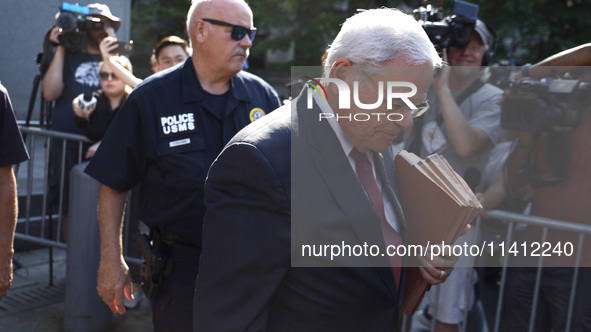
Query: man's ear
[[340, 69], [200, 30]]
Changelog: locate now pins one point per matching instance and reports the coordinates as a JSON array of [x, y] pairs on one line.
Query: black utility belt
[[181, 253], [173, 247]]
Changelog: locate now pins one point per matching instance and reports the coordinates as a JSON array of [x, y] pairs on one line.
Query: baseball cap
[[485, 33], [99, 9]]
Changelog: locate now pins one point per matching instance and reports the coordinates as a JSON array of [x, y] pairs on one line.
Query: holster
[[160, 251], [154, 269]]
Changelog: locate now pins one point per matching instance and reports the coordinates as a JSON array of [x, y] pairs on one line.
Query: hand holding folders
[[437, 204]]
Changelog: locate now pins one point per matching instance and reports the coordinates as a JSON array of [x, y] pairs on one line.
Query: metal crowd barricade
[[546, 224], [37, 175], [83, 308], [32, 178], [34, 174]]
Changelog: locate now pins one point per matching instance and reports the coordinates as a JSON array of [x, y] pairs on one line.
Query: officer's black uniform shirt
[[166, 136], [12, 147]]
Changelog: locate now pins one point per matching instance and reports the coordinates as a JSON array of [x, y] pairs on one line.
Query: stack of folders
[[437, 204]]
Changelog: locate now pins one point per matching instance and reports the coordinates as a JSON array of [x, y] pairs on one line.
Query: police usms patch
[[177, 124]]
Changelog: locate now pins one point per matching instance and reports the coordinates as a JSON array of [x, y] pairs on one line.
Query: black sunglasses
[[238, 31], [105, 76]]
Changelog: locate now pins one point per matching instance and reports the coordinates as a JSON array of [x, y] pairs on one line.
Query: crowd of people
[[463, 125], [229, 181]]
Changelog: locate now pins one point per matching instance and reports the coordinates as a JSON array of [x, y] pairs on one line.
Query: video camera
[[544, 106], [450, 31], [74, 21]]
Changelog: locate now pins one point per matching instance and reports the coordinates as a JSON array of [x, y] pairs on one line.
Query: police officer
[[12, 151], [165, 137]]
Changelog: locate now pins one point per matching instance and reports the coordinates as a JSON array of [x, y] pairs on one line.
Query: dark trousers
[[172, 310], [553, 300]]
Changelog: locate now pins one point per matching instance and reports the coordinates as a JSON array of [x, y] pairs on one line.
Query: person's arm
[[107, 47], [8, 214], [465, 138], [52, 84], [493, 195], [247, 225], [114, 279], [92, 150], [576, 56]]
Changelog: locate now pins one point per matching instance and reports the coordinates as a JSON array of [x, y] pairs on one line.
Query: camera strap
[[415, 145], [475, 86]]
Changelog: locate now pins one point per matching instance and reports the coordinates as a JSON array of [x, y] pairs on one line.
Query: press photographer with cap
[[74, 70], [462, 125]]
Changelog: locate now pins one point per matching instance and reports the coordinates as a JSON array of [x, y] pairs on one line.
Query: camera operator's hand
[[55, 34], [108, 46], [442, 80], [52, 84], [110, 31]]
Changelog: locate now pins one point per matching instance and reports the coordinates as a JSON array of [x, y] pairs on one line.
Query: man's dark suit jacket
[[281, 182]]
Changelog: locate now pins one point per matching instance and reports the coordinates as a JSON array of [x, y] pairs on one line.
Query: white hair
[[375, 36]]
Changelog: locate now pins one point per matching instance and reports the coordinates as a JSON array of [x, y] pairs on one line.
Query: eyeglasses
[[415, 113], [238, 31], [474, 49], [105, 76]]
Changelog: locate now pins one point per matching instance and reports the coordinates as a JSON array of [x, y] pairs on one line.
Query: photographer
[[551, 169], [74, 69], [462, 125]]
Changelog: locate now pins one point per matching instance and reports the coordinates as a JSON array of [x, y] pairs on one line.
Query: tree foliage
[[531, 30], [309, 25], [152, 20], [527, 30]]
